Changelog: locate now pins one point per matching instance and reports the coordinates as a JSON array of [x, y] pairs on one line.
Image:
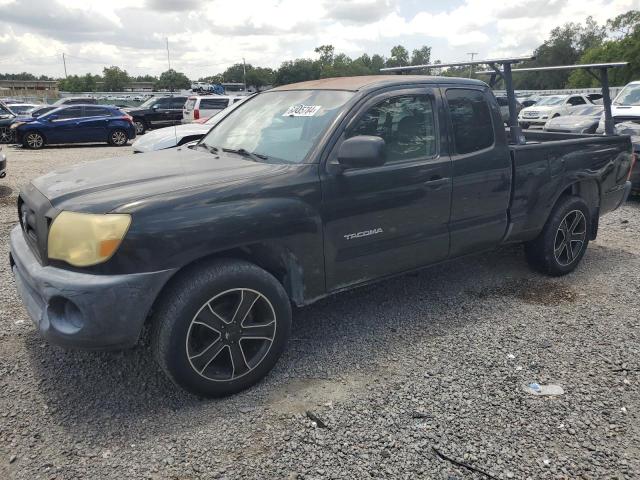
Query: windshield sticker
[[301, 111]]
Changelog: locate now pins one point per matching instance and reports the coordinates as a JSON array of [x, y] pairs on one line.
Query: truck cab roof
[[367, 82]]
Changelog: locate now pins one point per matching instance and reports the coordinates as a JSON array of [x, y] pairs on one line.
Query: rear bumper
[[82, 310]]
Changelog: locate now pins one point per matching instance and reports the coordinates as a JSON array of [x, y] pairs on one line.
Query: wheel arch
[[589, 191]]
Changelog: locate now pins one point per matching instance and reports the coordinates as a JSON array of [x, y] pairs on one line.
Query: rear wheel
[[221, 327], [118, 138], [564, 239], [6, 135], [33, 140]]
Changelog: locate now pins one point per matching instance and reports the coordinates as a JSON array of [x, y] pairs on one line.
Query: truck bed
[[550, 164]]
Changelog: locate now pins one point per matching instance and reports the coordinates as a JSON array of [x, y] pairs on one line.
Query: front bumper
[[532, 121], [83, 310]]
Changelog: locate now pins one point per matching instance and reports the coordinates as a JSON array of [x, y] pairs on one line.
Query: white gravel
[[453, 346]]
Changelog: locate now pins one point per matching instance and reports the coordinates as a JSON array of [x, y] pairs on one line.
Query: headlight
[[83, 239], [544, 116]]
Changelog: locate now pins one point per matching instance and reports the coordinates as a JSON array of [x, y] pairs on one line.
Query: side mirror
[[155, 107], [361, 152]]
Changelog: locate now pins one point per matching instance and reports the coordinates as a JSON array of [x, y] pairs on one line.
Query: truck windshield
[[629, 96], [278, 126]]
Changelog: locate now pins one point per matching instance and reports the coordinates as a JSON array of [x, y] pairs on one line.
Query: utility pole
[[244, 74], [64, 62], [168, 57], [473, 54]]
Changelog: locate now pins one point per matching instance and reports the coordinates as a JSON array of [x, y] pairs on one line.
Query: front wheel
[[33, 140], [221, 327], [141, 127], [564, 239]]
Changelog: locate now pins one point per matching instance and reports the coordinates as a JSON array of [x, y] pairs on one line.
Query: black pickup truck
[[302, 191]]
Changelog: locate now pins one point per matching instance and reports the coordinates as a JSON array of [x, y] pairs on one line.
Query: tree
[[421, 56], [377, 62], [212, 79], [326, 54], [235, 73], [259, 77], [399, 57], [625, 24], [172, 80], [298, 70], [115, 79]]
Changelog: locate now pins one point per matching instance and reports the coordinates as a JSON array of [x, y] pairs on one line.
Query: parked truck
[[302, 191]]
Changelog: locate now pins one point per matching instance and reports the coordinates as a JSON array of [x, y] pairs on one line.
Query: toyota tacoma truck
[[302, 191]]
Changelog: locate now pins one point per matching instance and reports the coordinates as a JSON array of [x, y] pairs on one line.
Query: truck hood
[[168, 137], [105, 185]]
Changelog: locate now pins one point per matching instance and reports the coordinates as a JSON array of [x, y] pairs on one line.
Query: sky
[[206, 36]]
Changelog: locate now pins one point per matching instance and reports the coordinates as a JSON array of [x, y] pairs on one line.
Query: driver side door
[[391, 218]]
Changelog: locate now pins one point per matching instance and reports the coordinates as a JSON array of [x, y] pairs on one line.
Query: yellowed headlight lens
[[83, 239]]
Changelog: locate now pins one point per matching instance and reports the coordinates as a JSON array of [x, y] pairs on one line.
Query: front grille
[[531, 114]]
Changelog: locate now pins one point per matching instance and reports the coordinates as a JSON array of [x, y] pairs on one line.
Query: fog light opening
[[64, 315]]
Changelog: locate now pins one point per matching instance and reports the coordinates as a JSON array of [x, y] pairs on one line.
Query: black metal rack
[[506, 74]]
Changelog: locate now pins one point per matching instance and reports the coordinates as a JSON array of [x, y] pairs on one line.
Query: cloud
[[362, 12], [206, 36], [173, 5]]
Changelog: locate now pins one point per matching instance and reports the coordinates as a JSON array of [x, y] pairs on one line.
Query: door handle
[[436, 182]]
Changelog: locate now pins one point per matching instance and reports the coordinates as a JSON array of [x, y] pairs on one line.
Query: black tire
[[118, 137], [197, 330], [7, 135], [549, 253], [33, 140], [141, 126]]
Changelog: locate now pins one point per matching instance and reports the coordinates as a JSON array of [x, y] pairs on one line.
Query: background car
[[75, 101], [179, 135], [582, 119], [24, 108], [6, 119], [549, 107], [504, 107], [205, 106], [157, 112], [76, 124]]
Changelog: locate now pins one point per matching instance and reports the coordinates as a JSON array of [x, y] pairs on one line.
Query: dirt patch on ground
[[530, 291]]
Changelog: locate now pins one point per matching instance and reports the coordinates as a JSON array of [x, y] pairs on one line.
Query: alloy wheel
[[139, 127], [6, 135], [231, 334], [34, 140], [118, 137], [570, 237]]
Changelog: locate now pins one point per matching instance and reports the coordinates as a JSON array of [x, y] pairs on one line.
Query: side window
[[405, 123], [72, 112], [177, 102], [214, 103], [470, 120], [96, 112], [162, 102], [576, 101]]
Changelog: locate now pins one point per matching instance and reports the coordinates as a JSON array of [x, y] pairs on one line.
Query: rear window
[[214, 103], [189, 104], [470, 119]]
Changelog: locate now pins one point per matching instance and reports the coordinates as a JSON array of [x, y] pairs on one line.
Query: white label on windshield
[[301, 111]]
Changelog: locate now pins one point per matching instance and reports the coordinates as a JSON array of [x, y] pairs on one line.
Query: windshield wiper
[[256, 157], [208, 148]]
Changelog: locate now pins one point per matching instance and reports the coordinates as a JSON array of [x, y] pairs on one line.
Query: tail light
[[127, 118], [196, 114], [634, 159]]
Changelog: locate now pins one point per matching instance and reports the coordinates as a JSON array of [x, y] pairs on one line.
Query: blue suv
[[76, 124]]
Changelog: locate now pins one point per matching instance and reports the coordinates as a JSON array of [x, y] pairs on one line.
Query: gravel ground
[[431, 360]]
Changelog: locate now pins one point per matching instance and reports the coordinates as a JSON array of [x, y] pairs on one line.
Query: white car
[[205, 106], [625, 107], [552, 106], [170, 137]]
